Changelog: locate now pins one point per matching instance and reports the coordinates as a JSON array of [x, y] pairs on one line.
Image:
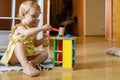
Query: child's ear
[[23, 15]]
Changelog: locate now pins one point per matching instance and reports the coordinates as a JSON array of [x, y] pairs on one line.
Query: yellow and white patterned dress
[[27, 41]]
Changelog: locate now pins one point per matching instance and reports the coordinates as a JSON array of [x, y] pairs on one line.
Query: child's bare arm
[[43, 40], [32, 31], [39, 42], [28, 32]]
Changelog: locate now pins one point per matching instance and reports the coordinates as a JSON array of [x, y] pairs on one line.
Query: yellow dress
[[27, 41]]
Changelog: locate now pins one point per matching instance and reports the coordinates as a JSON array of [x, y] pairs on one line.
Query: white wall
[[95, 17]]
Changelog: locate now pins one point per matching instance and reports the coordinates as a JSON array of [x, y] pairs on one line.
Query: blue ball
[[68, 35]]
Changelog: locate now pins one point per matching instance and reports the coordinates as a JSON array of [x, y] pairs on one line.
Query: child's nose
[[36, 20]]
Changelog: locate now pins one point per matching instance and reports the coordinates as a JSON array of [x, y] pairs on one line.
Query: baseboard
[[94, 35]]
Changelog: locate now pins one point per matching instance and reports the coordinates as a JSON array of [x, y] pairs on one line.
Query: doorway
[[61, 10], [94, 17]]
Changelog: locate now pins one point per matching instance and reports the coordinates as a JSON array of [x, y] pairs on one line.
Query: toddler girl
[[21, 48]]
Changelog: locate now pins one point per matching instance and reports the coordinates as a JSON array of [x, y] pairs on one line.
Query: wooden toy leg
[[55, 53]]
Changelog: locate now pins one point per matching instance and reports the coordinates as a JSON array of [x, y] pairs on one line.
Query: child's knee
[[45, 53]]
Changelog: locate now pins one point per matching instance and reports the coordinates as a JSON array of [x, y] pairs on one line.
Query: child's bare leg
[[20, 54], [13, 60], [40, 58]]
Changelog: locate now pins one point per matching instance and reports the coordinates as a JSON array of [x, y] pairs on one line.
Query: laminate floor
[[92, 63]]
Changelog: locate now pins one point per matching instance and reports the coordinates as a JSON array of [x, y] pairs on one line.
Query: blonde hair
[[26, 6]]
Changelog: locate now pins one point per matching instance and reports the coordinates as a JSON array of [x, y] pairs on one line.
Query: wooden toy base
[[65, 69]]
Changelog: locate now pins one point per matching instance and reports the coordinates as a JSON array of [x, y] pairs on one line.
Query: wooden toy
[[59, 47], [60, 31], [64, 49], [59, 56], [67, 50]]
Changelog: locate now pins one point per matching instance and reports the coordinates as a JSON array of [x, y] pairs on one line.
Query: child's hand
[[46, 36], [47, 27]]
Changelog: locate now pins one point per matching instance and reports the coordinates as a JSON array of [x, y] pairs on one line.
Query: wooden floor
[[92, 63]]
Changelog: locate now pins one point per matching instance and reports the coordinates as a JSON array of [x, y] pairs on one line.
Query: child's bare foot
[[32, 63], [30, 70]]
